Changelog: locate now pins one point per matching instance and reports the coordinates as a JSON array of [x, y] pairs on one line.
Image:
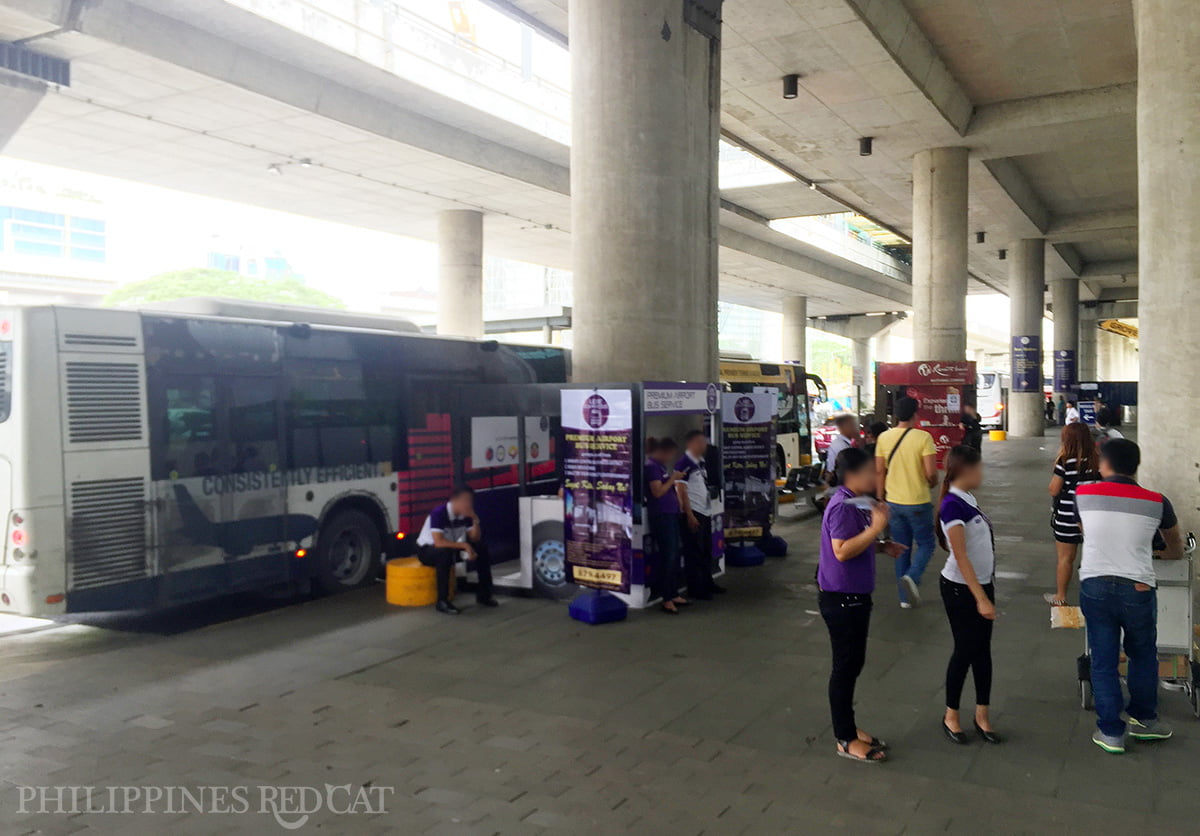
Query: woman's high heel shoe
[[988, 735], [956, 737]]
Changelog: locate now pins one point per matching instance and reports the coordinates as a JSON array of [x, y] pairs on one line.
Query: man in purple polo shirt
[[852, 525]]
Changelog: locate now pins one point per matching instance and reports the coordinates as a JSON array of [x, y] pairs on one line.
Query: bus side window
[[190, 422], [327, 419], [253, 424]]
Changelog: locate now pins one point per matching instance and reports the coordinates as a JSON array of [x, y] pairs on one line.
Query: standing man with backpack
[[906, 464]]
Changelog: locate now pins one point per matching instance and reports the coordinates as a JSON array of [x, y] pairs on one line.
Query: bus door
[[254, 519], [219, 494]]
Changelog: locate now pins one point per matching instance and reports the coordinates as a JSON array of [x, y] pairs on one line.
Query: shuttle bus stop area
[[520, 720], [508, 417]]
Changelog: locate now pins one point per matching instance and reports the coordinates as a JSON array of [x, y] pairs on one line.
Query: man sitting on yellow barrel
[[450, 531]]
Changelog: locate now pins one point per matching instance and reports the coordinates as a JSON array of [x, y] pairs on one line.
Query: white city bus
[[991, 396], [149, 458]]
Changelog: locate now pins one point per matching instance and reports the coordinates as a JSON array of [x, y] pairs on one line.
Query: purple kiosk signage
[[680, 398], [597, 487], [748, 439]]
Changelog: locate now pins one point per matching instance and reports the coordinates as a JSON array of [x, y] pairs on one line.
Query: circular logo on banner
[[713, 396], [1024, 340], [943, 439], [595, 411], [743, 409], [1063, 353], [544, 423], [500, 453]]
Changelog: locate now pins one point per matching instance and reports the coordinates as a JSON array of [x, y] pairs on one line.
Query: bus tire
[[549, 561], [348, 551]]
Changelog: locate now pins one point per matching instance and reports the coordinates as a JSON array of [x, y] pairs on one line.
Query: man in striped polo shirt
[[1117, 592]]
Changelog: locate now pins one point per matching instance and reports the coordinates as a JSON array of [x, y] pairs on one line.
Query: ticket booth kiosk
[[939, 388], [605, 429]]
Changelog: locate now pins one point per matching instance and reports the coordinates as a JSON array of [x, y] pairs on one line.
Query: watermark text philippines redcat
[[290, 807]]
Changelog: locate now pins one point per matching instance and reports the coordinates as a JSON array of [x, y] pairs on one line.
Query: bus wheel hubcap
[[346, 555], [549, 562]]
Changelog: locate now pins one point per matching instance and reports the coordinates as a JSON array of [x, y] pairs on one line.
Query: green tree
[[184, 284]]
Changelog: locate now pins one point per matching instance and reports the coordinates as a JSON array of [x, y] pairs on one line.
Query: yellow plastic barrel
[[997, 435], [410, 583]]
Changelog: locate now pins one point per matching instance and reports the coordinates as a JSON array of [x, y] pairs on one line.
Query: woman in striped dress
[[1077, 464]]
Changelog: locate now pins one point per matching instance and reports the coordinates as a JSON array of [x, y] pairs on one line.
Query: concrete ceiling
[[1043, 93], [203, 97]]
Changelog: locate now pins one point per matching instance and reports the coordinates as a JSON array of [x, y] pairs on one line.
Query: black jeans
[[697, 556], [443, 560], [665, 528], [972, 643], [848, 617]]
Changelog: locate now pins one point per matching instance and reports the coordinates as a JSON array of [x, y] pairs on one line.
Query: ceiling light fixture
[[305, 162], [812, 184], [791, 86], [865, 146], [275, 168]]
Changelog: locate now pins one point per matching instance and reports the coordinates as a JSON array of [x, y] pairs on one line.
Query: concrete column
[[939, 271], [1116, 358], [1026, 290], [861, 369], [1168, 149], [1089, 335], [795, 329], [644, 131], [460, 273], [1064, 296]]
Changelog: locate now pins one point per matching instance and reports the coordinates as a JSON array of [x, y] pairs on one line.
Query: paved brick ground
[[522, 721]]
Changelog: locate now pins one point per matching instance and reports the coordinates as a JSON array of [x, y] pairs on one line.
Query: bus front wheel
[[348, 551]]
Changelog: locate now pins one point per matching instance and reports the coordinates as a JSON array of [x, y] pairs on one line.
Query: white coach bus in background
[[149, 458], [991, 398]]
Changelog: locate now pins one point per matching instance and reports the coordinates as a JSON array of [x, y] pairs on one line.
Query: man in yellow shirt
[[906, 463]]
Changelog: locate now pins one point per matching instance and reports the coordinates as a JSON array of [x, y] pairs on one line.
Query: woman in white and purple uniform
[[968, 591]]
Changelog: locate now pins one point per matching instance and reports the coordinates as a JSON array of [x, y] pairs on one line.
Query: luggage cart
[[1175, 630]]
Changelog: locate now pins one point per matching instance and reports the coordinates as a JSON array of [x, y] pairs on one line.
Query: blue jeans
[[1111, 607], [912, 526]]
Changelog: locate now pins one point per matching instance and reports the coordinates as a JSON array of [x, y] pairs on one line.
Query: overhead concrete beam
[[855, 326], [1123, 309], [316, 78], [1064, 260], [1120, 267], [1070, 257], [768, 251], [1091, 226], [1117, 294], [1019, 126], [895, 29], [1013, 182], [18, 98]]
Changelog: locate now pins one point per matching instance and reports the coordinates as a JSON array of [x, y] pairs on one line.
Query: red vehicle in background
[[823, 437]]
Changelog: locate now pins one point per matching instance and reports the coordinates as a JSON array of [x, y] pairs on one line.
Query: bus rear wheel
[[348, 551]]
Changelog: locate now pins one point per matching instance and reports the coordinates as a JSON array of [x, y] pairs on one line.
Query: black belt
[[1119, 579]]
